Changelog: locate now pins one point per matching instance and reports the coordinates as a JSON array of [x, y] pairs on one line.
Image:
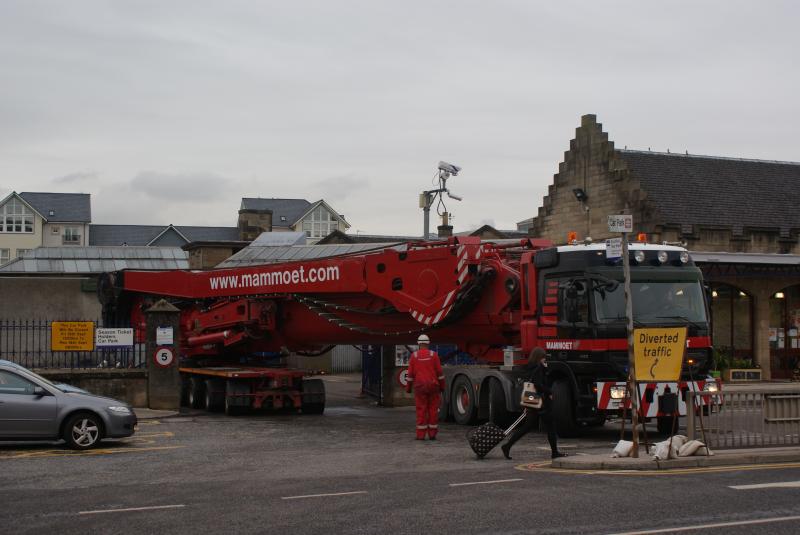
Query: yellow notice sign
[[659, 353], [72, 336]]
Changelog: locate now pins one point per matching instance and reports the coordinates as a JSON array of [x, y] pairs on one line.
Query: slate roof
[[725, 192], [291, 209], [132, 235], [338, 236], [93, 260], [255, 255], [66, 207]]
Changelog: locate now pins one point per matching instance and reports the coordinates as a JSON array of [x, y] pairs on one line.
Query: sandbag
[[622, 449], [694, 447]]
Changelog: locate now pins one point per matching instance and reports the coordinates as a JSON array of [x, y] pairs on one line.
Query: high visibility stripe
[[440, 377], [434, 426], [422, 427]]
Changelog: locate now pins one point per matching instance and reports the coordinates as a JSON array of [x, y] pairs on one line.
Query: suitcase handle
[[516, 423]]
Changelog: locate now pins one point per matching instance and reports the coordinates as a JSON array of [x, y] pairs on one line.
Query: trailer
[[494, 301]]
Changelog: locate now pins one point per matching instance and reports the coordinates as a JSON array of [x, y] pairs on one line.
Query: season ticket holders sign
[[659, 353], [72, 336]]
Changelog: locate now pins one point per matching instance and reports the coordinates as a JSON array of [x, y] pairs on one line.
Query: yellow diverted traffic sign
[[659, 353], [72, 336]]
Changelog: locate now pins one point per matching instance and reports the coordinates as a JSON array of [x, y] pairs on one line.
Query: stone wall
[[592, 165], [53, 298], [125, 385], [254, 222]]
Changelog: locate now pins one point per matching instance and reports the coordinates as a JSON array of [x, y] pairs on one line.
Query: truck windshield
[[654, 303]]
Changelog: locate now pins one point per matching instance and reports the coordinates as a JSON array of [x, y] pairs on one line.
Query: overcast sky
[[171, 112]]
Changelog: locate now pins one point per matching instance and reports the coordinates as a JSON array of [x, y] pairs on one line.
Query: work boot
[[506, 451]]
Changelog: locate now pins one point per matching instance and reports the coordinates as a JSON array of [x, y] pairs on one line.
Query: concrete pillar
[[761, 332], [394, 394], [162, 352]]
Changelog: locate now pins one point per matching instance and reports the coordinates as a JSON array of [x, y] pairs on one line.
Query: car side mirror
[[39, 391]]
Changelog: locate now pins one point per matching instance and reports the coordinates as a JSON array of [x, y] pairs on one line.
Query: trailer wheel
[[196, 393], [462, 401], [665, 426], [444, 408], [313, 396], [564, 410], [498, 413], [214, 399], [185, 386], [236, 400]]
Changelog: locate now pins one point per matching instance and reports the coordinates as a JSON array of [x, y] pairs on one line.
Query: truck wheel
[[665, 427], [564, 410], [498, 413], [444, 408], [313, 396], [213, 400], [462, 401], [184, 391], [196, 394]]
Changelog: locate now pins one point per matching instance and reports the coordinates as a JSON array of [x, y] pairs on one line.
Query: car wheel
[[83, 431], [462, 401]]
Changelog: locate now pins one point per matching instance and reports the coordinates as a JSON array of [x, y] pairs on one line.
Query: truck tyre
[[665, 426], [214, 398], [313, 396], [184, 391], [463, 402], [196, 393], [444, 408], [564, 410], [498, 413]]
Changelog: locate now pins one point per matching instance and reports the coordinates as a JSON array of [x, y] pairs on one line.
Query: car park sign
[[620, 223], [108, 338]]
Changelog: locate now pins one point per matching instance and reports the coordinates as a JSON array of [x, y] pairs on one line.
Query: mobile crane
[[493, 300]]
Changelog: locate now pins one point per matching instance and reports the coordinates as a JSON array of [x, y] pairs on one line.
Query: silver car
[[33, 408]]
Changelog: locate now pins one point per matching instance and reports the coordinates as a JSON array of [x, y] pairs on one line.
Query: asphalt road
[[357, 469]]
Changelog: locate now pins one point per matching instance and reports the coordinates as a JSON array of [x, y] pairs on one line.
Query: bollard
[[690, 415]]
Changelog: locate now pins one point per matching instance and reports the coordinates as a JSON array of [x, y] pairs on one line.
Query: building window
[[732, 323], [16, 217], [71, 236], [5, 256], [784, 332], [320, 223], [21, 252]]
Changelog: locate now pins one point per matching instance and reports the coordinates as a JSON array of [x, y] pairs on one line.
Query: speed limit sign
[[164, 357], [402, 377]]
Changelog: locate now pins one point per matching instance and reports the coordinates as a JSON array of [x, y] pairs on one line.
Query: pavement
[[143, 413], [733, 457]]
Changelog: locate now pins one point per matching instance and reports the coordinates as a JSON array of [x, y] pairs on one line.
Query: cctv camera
[[449, 168]]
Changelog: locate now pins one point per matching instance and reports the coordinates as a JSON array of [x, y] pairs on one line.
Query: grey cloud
[[339, 187], [179, 188], [78, 177]]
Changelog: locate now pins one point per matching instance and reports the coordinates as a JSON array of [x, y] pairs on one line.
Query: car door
[[24, 413]]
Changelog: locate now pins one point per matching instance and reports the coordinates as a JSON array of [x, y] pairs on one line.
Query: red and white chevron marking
[[651, 409], [462, 270]]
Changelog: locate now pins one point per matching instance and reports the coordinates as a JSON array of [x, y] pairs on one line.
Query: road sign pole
[[633, 391]]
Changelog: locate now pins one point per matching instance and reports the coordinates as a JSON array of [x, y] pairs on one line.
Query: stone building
[[738, 217]]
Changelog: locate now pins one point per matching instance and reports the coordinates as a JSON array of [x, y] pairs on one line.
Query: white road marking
[[151, 508], [782, 484], [485, 482], [711, 526], [324, 495]]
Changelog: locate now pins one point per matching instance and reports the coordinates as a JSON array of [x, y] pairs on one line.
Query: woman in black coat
[[536, 373]]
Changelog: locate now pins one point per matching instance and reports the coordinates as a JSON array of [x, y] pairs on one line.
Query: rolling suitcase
[[484, 438]]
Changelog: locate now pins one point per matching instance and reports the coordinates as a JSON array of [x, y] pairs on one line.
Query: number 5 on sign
[[164, 357]]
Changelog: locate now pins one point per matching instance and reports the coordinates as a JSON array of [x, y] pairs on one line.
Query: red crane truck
[[492, 300]]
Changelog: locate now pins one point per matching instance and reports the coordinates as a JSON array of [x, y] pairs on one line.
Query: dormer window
[[51, 213]]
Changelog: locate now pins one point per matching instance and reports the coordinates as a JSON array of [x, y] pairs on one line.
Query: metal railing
[[746, 417], [28, 343]]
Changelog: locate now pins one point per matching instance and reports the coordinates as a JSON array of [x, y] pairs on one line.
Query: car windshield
[[654, 303], [37, 376]]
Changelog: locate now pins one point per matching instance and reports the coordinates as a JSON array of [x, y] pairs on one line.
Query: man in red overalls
[[427, 379]]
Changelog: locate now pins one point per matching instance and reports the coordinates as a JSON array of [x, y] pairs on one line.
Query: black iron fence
[[30, 344]]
